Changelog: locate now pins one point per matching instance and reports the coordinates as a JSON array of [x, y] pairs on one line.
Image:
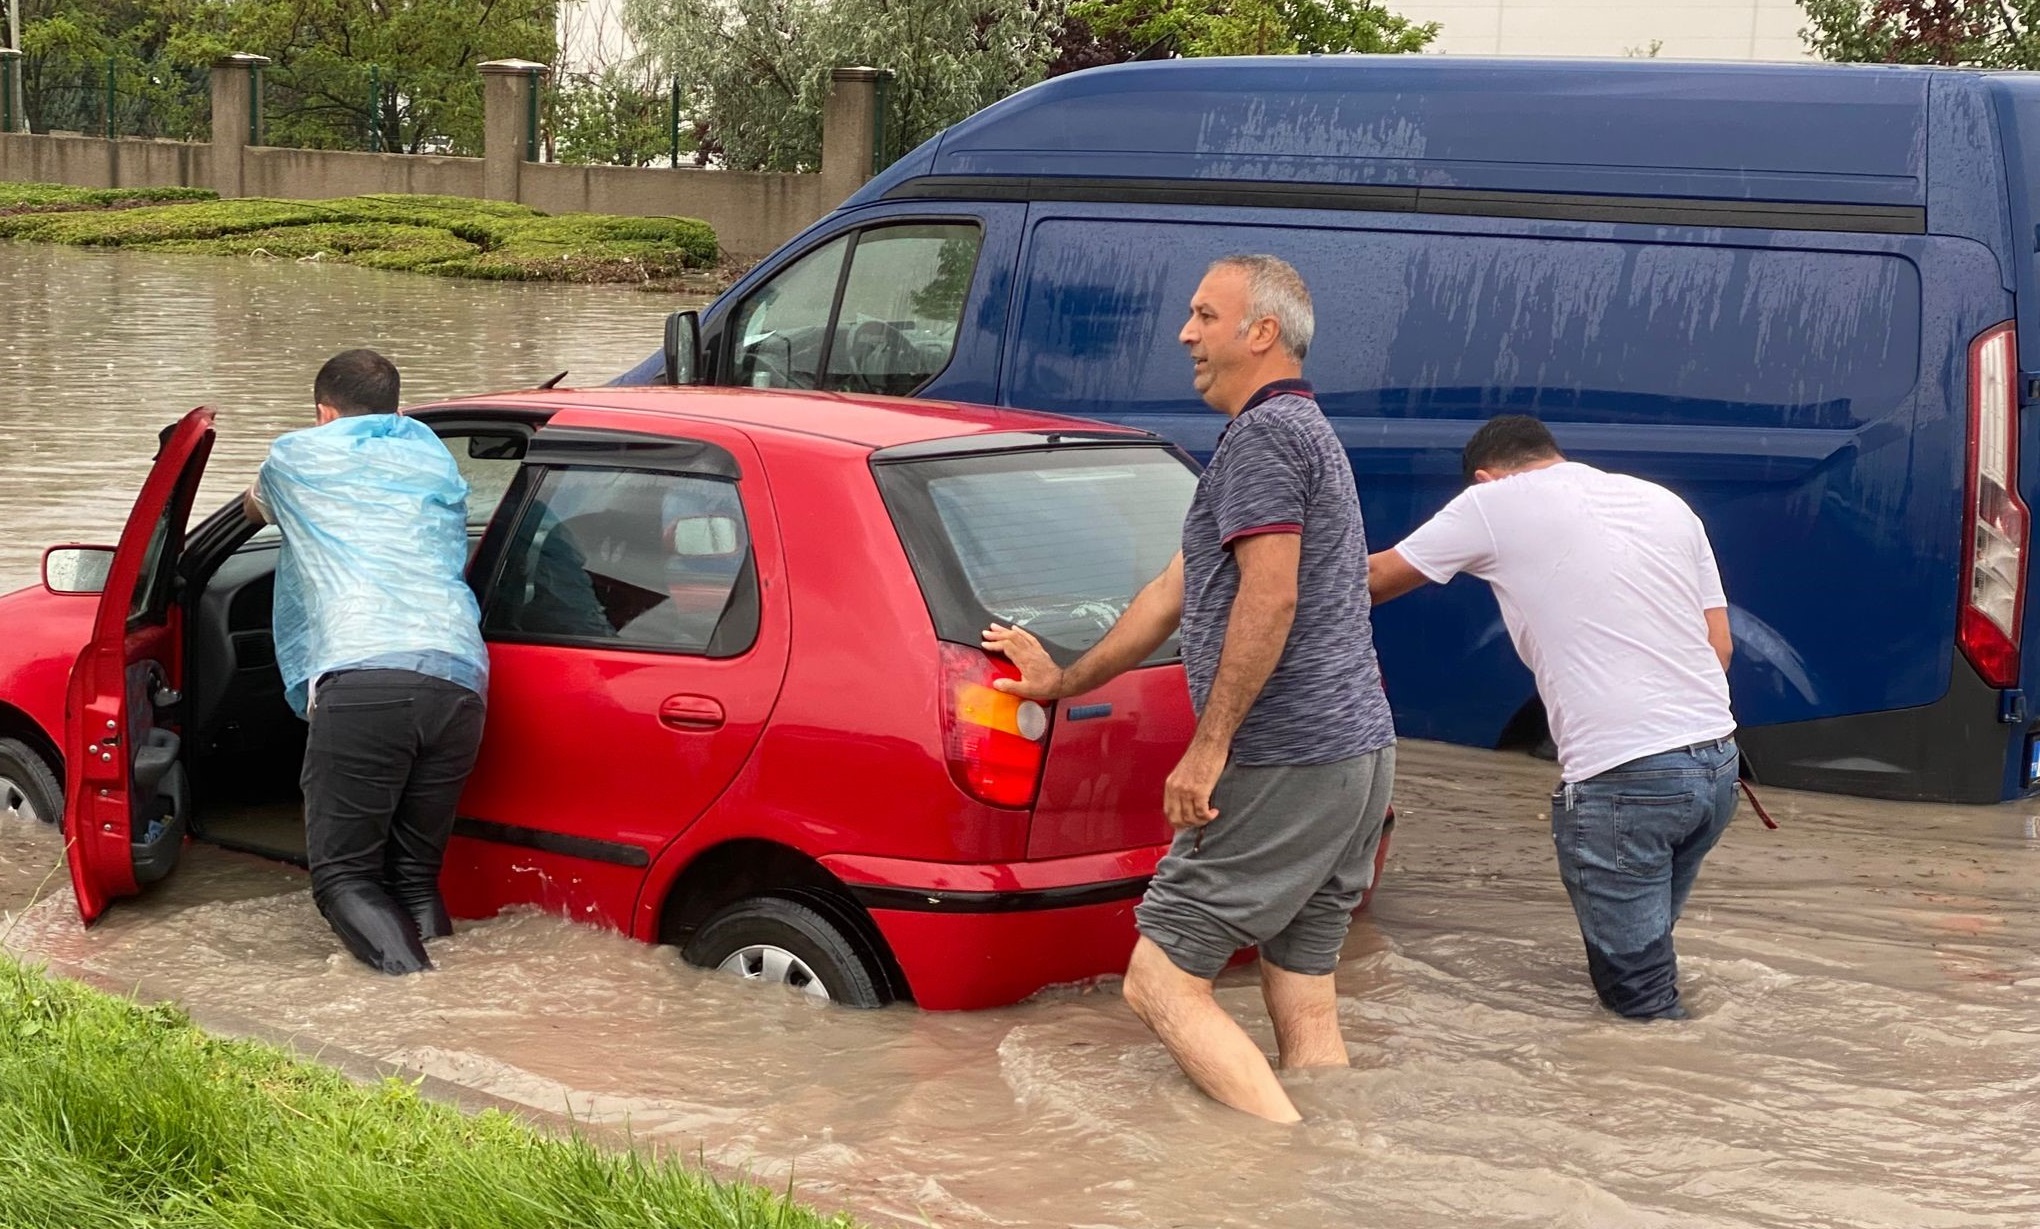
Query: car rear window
[[1056, 540]]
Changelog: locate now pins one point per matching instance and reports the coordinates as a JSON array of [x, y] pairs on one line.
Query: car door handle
[[691, 713]]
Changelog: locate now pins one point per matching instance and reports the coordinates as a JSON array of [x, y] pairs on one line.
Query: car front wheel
[[790, 943], [28, 790]]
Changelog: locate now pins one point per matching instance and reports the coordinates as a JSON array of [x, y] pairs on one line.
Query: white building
[[1681, 29], [592, 36]]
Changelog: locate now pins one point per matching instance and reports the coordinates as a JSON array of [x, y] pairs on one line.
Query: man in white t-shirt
[[1610, 592]]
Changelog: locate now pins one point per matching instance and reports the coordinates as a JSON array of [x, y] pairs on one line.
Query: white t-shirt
[[1602, 580]]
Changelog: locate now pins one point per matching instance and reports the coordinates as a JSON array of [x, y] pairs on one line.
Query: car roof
[[865, 421]]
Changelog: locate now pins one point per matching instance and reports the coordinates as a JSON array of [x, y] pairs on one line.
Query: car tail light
[[1994, 518], [996, 743]]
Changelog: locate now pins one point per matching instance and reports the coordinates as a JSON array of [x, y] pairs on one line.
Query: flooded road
[[100, 350], [1865, 1049]]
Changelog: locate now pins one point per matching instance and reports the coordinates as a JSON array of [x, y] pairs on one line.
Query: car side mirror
[[683, 348], [76, 569], [495, 447]]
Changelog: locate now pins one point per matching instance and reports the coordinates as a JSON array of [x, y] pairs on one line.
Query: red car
[[736, 701]]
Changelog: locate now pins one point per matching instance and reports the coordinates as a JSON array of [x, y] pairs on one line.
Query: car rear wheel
[[789, 943], [28, 790]]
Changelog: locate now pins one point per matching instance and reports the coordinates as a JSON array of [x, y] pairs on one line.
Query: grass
[[441, 235], [35, 197], [118, 1114]]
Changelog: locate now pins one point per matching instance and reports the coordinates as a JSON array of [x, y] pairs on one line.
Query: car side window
[[901, 305], [489, 463], [630, 559], [781, 327], [155, 587]]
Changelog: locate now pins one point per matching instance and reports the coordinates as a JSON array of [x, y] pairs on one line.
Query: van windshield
[[1056, 540]]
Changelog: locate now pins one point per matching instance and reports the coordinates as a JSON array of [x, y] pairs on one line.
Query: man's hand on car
[[1040, 678]]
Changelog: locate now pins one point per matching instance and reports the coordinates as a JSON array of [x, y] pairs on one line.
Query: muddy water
[[100, 350], [1865, 1049]]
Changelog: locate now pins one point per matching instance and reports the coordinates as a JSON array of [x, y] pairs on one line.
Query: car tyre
[[28, 790], [773, 939]]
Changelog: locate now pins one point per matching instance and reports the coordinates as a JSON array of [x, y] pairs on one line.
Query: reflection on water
[[100, 350], [1865, 1050]]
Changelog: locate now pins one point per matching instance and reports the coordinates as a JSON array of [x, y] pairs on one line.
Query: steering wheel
[[879, 354]]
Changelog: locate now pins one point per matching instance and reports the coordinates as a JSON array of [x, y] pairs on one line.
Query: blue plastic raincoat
[[373, 512]]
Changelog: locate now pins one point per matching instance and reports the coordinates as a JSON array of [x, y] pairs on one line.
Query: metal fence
[[615, 118], [328, 104], [115, 97]]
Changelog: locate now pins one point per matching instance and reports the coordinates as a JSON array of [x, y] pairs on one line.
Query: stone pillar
[[509, 125], [850, 126], [235, 111]]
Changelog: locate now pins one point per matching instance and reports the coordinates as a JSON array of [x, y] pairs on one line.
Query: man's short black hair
[[357, 382], [1506, 442]]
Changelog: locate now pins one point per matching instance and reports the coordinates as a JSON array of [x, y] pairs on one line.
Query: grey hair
[[1275, 289]]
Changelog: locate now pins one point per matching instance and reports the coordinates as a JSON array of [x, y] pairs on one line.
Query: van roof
[[1841, 134]]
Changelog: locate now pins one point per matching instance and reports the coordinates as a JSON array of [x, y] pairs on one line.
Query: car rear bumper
[[972, 935], [985, 935]]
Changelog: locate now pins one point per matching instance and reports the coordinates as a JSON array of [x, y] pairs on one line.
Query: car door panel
[[597, 756], [126, 805]]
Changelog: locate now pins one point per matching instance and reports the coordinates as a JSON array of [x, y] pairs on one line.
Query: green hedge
[[442, 235]]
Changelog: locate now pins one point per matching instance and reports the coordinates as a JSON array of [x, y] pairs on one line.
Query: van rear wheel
[[788, 942], [28, 789]]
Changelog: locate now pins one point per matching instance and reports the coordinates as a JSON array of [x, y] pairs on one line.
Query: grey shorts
[[1282, 867]]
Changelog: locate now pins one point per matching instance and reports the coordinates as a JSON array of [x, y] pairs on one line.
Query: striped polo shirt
[[1279, 468]]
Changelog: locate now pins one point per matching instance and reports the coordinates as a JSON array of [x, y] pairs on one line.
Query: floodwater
[[101, 350], [1864, 1049]]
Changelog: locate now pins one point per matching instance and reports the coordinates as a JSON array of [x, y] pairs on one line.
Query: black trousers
[[387, 756]]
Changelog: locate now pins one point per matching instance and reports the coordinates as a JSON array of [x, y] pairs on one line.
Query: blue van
[[1795, 294]]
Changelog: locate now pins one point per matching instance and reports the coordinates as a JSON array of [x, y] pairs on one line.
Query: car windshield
[[1056, 540]]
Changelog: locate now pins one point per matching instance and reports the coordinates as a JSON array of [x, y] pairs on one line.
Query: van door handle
[[691, 713]]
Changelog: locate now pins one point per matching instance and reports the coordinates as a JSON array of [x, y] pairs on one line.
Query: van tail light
[[996, 743], [1994, 518]]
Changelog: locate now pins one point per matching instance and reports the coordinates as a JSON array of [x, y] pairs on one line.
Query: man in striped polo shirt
[[1278, 803]]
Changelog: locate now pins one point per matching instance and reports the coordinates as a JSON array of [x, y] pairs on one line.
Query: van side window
[[896, 324], [781, 328], [629, 559], [887, 324]]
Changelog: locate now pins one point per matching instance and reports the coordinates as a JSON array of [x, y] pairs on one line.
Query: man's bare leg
[[1209, 1045], [1306, 1015]]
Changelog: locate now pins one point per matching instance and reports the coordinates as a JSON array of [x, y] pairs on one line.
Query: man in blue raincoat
[[378, 639]]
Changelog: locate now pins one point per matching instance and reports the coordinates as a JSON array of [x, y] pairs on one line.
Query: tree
[[68, 47], [756, 72], [420, 55], [612, 118], [1982, 33], [1107, 31]]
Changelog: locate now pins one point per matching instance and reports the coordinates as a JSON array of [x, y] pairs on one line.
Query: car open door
[[126, 805]]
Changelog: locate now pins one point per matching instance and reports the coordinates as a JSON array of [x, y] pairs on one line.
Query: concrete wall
[[320, 174], [1687, 29], [94, 162], [752, 213]]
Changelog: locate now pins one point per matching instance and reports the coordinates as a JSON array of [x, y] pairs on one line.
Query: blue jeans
[[1630, 843]]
